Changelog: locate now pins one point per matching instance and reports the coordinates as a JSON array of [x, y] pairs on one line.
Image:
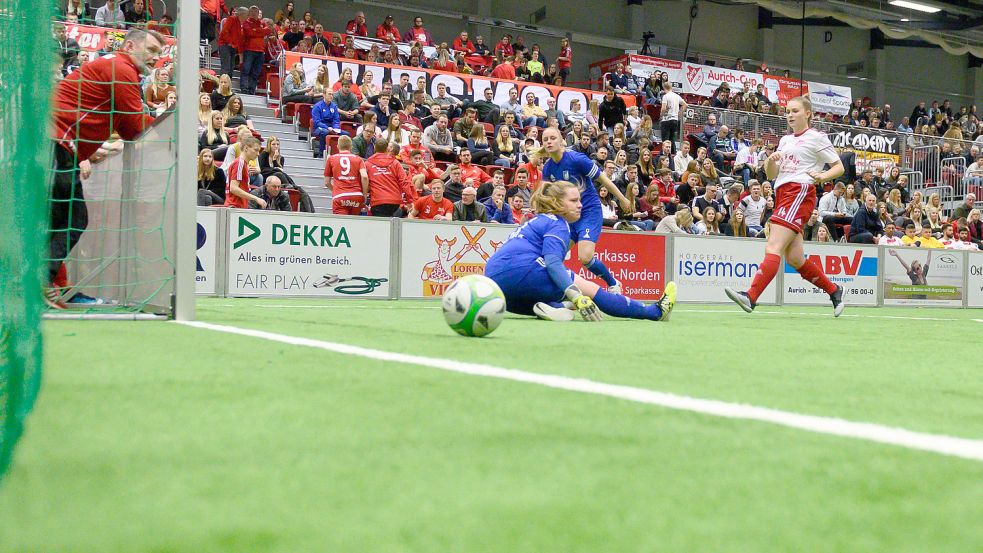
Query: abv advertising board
[[916, 276], [296, 255], [852, 267], [703, 266]]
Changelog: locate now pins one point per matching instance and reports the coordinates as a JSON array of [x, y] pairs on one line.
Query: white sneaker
[[615, 288], [547, 312]]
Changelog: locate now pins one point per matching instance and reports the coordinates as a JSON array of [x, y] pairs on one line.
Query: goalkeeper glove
[[583, 304]]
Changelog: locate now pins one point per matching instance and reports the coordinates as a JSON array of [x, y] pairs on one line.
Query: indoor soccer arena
[[491, 276]]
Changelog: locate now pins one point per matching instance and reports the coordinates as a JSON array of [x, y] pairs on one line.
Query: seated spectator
[[708, 174], [235, 114], [611, 111], [388, 31], [357, 27], [444, 60], [271, 162], [678, 223], [504, 47], [418, 34], [394, 133], [505, 69], [421, 173], [708, 199], [274, 197], [747, 162], [293, 36], [325, 120], [634, 215], [453, 186], [618, 80], [433, 207], [347, 104], [215, 138], [866, 226], [439, 140], [211, 180], [449, 105], [822, 234], [480, 48], [497, 208], [532, 114], [721, 148], [156, 92], [709, 135], [485, 110], [416, 144], [481, 151], [346, 81], [464, 125], [522, 187], [470, 171], [363, 145], [552, 112], [407, 117], [851, 205], [738, 225], [295, 89], [753, 205], [505, 148], [462, 44], [110, 15]]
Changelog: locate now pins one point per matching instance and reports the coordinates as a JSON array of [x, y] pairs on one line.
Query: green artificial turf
[[158, 437]]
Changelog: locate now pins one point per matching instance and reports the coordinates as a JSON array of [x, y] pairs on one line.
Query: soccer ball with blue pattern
[[474, 305]]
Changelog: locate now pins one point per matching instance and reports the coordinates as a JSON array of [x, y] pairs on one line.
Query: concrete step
[[306, 164]]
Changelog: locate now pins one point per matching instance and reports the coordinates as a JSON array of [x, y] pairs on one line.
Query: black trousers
[[207, 30], [832, 223], [384, 210], [69, 216], [669, 130]]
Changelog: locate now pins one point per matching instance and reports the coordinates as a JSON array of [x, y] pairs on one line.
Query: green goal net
[[25, 86]]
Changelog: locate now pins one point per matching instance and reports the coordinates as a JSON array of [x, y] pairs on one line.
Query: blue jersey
[[529, 244], [579, 169]]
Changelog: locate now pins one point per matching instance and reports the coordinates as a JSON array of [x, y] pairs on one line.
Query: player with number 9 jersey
[[345, 176]]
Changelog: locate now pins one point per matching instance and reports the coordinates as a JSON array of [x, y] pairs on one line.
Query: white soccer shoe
[[615, 288], [547, 312]]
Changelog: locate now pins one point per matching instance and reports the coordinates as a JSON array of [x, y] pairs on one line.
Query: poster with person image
[[917, 276]]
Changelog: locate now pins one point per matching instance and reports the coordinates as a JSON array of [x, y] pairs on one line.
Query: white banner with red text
[[463, 87]]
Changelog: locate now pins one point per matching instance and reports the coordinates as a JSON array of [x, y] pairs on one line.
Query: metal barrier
[[953, 173], [205, 54], [926, 160], [266, 254]]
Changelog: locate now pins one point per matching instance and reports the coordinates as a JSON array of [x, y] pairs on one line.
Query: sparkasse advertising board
[[852, 267], [637, 260], [703, 266], [297, 255]]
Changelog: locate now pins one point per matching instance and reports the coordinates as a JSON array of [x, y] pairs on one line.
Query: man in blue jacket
[[497, 209], [866, 227], [325, 120]]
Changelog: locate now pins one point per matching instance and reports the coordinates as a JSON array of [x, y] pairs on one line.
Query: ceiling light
[[905, 19], [914, 6]]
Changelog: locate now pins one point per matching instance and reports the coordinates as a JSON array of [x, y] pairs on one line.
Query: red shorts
[[794, 203], [348, 205]]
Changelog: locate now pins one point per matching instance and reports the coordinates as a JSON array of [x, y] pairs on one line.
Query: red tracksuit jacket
[[388, 183]]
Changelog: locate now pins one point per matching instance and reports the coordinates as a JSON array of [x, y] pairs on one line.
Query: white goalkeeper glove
[[583, 304]]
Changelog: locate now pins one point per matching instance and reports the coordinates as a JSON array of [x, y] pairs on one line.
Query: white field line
[[935, 443]]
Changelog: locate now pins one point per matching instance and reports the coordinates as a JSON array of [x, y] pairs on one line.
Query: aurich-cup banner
[[852, 267], [974, 287], [295, 255], [433, 254], [916, 276], [703, 266], [206, 257], [461, 86], [636, 260], [827, 98]]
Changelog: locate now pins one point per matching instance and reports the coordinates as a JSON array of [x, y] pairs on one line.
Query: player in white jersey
[[795, 168]]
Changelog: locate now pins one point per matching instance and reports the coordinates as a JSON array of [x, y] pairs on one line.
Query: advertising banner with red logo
[[95, 39], [637, 260], [783, 89], [852, 267], [462, 87]]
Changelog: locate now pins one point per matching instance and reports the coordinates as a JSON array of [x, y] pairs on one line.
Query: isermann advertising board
[[299, 255], [433, 254], [974, 287], [206, 256], [852, 267], [637, 260], [463, 87], [917, 276], [703, 266]]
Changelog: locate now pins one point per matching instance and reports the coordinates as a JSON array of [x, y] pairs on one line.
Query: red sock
[[61, 279], [811, 271], [766, 273]]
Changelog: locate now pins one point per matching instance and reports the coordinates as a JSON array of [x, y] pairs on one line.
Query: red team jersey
[[426, 208], [345, 170], [795, 195], [239, 172]]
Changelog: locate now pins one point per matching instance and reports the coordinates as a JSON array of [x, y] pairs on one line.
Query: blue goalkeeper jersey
[[528, 245], [579, 169]]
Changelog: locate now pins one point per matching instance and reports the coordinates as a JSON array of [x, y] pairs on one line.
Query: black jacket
[[280, 203], [866, 221]]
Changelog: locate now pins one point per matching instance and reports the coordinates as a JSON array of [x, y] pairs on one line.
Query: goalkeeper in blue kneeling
[[529, 268]]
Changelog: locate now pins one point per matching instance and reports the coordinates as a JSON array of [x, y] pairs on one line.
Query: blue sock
[[622, 306], [597, 267]]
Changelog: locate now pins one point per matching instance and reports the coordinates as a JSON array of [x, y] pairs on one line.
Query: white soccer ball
[[473, 305]]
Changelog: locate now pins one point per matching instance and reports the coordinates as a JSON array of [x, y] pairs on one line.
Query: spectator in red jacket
[[505, 70], [389, 187], [102, 97], [388, 31], [418, 34], [212, 11], [564, 60], [254, 32], [356, 27], [462, 44], [230, 40], [505, 47]]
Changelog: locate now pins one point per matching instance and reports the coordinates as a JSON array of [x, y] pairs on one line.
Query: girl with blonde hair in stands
[[529, 269], [368, 88], [394, 133], [708, 174], [593, 115], [215, 138], [319, 49], [156, 92], [796, 168], [894, 204], [934, 200], [634, 216], [822, 234], [346, 80], [738, 226], [504, 147], [646, 169], [677, 223], [295, 87], [211, 180], [204, 111], [321, 81], [235, 114]]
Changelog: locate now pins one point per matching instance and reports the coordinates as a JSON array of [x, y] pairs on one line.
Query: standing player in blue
[[575, 167], [529, 267]]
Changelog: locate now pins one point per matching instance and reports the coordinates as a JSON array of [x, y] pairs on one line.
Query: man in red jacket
[[388, 31], [389, 187], [101, 97], [230, 40], [357, 27], [211, 12], [254, 32]]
